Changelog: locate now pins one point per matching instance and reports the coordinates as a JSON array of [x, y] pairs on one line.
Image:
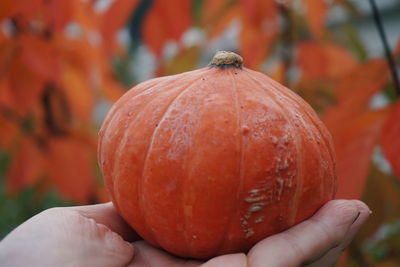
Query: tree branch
[[388, 54]]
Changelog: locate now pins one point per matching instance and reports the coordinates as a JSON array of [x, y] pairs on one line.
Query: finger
[[73, 239], [333, 255], [232, 260], [107, 215], [309, 239], [147, 255]]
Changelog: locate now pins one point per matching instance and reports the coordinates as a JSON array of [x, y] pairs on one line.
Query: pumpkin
[[211, 161]]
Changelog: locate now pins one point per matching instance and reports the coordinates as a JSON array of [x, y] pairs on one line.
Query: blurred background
[[64, 62]]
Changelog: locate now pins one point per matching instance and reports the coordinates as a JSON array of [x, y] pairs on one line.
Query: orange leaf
[[221, 23], [9, 130], [23, 86], [115, 18], [59, 13], [354, 91], [102, 195], [70, 167], [211, 10], [323, 61], [259, 30], [111, 88], [78, 93], [26, 166], [354, 144], [258, 13], [40, 56], [364, 81], [315, 17], [22, 8], [7, 53], [166, 21], [185, 60], [390, 139]]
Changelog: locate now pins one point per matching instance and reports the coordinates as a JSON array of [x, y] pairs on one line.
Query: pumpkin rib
[[139, 181], [151, 142], [313, 140], [325, 137], [118, 147], [236, 208], [117, 108], [298, 145], [328, 146]]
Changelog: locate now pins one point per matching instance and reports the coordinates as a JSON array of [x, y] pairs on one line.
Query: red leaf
[[40, 56], [115, 18], [390, 139], [354, 93], [78, 93], [59, 13], [354, 144], [219, 23], [316, 15], [259, 30], [26, 166], [212, 11], [166, 21], [364, 81], [355, 90], [24, 9], [70, 167], [23, 93], [9, 130], [323, 61]]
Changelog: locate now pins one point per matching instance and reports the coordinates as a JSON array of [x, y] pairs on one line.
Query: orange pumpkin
[[212, 161]]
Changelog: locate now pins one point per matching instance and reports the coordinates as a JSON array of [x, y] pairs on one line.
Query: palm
[[318, 241], [94, 236]]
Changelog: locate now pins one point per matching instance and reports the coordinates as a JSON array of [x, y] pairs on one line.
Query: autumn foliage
[[57, 64]]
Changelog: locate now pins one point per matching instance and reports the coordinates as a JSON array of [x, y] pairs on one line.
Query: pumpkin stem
[[226, 59]]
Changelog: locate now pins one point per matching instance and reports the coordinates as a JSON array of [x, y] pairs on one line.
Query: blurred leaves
[[391, 138], [60, 58]]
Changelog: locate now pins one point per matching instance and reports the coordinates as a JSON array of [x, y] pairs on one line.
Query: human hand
[[93, 236], [318, 241]]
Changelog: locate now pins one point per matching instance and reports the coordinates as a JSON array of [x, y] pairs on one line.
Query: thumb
[[107, 215], [318, 239]]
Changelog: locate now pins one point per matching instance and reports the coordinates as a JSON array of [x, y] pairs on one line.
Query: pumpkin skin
[[212, 161]]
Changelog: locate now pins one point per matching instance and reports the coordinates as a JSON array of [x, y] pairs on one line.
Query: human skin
[[97, 236]]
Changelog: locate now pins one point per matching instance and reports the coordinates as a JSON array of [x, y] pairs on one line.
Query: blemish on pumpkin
[[284, 166], [274, 140], [194, 236], [279, 187], [188, 210], [254, 199], [245, 130], [249, 233], [259, 219], [285, 139], [254, 192], [255, 207]]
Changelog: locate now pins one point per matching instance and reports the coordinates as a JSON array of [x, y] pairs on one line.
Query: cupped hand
[[97, 236]]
